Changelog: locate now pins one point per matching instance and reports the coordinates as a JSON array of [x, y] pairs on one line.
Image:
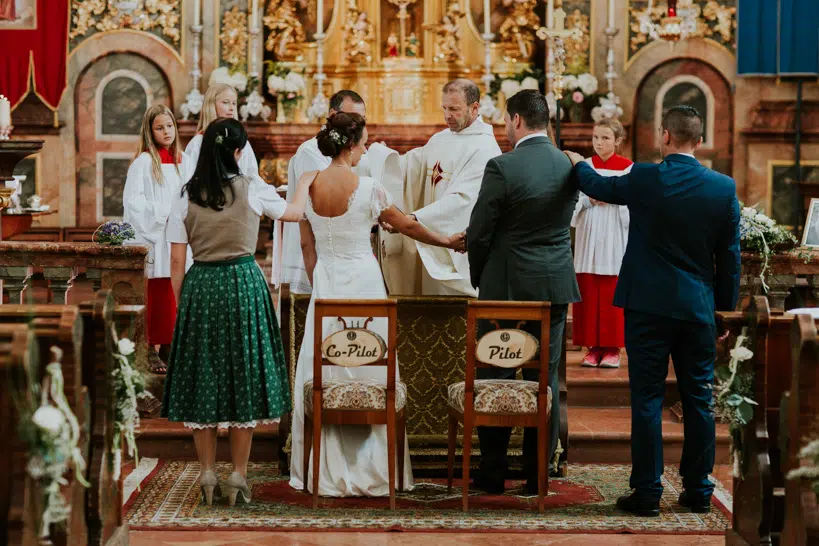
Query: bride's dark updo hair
[[342, 130]]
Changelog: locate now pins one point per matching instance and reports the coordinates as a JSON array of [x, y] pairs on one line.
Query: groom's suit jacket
[[682, 258], [518, 237]]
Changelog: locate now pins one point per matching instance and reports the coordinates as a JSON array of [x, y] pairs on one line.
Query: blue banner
[[778, 37]]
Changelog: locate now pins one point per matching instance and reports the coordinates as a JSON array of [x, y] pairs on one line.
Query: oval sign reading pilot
[[353, 347], [506, 348]]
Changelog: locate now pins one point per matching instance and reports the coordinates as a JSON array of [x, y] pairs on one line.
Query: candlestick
[[486, 15], [5, 112], [253, 9], [320, 17], [611, 13], [197, 15]]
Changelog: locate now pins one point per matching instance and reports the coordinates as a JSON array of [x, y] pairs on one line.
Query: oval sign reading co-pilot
[[506, 348], [353, 347]]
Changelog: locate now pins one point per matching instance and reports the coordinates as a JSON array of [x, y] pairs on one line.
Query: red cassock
[[596, 322], [160, 303]]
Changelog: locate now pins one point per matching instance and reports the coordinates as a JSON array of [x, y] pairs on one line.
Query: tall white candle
[[5, 112], [611, 13], [197, 15], [320, 17], [650, 5], [550, 11], [254, 9], [487, 14]]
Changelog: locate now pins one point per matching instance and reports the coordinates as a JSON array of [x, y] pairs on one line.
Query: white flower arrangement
[[609, 108], [54, 446], [236, 79], [129, 386], [587, 84], [760, 233], [808, 471], [288, 87], [510, 88]]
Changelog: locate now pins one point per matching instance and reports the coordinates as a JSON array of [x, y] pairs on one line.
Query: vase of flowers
[[579, 96], [113, 233], [760, 233], [287, 86]]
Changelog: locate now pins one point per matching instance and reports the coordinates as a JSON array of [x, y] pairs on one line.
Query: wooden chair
[[474, 403], [328, 401], [801, 511]]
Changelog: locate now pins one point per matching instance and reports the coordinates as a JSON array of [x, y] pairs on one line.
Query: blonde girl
[[156, 174], [600, 242]]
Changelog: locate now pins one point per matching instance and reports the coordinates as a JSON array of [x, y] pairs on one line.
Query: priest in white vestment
[[290, 269], [438, 184]]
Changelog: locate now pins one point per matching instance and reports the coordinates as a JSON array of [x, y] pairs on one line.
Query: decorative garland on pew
[[129, 385], [809, 471], [52, 433], [733, 400], [760, 233]]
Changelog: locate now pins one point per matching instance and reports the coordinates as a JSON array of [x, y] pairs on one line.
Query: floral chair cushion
[[500, 396], [355, 394]]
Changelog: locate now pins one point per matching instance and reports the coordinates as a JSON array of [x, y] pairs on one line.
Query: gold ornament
[[448, 36], [358, 35], [577, 48], [158, 17], [724, 19], [517, 32], [233, 38], [286, 31]]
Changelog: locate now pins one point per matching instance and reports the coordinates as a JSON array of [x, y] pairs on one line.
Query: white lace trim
[[231, 424], [380, 201]]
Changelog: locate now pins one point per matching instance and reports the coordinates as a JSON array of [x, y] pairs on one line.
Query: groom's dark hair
[[531, 106], [337, 100], [684, 124]]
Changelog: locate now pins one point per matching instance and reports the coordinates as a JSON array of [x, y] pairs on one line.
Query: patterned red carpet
[[583, 503]]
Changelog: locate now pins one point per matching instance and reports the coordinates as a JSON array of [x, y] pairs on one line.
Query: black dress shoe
[[491, 486], [696, 505], [639, 507]]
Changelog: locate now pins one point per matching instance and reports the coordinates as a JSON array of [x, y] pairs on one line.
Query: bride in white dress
[[340, 213]]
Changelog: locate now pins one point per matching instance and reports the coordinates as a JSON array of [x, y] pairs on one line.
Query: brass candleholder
[[11, 153]]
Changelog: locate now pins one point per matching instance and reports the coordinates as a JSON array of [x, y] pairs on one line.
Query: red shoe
[[592, 358], [611, 359]]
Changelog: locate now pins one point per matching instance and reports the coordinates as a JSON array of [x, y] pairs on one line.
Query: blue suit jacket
[[682, 258]]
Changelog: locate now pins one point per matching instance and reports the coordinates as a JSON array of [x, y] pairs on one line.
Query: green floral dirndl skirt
[[227, 365]]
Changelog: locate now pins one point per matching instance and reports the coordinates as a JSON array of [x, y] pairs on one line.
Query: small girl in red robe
[[154, 178], [600, 243]]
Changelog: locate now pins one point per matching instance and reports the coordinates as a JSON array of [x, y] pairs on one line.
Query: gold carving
[[403, 15], [724, 19], [518, 30], [234, 38], [358, 35], [160, 17], [710, 19], [578, 47], [274, 170], [448, 36], [286, 31]]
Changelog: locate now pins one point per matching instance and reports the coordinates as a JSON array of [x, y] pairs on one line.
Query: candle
[[611, 13], [196, 13], [254, 8], [650, 2], [5, 112], [550, 9], [320, 17]]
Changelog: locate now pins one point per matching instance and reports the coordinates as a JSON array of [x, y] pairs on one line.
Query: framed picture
[[810, 237], [782, 185], [18, 14]]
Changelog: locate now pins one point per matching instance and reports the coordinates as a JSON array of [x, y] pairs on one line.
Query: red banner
[[34, 38]]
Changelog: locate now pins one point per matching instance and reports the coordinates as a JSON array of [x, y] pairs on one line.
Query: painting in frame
[[810, 238], [18, 14], [781, 182]]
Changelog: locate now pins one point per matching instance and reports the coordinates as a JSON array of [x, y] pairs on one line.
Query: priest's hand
[[595, 202], [457, 242], [387, 227], [574, 157]]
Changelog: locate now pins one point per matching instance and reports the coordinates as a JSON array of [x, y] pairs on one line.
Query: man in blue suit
[[682, 261]]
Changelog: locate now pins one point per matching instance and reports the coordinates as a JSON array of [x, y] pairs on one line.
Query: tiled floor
[[224, 538]]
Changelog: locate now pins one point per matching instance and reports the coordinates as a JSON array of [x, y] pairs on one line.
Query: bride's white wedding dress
[[353, 457]]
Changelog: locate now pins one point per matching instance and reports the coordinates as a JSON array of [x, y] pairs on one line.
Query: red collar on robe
[[614, 163], [165, 157]]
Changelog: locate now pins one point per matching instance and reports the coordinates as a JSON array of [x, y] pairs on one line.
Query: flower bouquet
[[809, 468], [579, 96], [760, 233], [130, 384], [114, 233], [525, 79], [287, 86]]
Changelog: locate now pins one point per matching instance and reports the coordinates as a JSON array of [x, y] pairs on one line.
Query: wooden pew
[[60, 326], [18, 351], [802, 419]]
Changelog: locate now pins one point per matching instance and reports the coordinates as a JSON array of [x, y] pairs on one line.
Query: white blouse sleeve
[[248, 164], [192, 151], [175, 230], [139, 208], [380, 201], [264, 199]]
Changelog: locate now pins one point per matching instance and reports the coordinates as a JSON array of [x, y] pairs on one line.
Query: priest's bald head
[[460, 102], [347, 101]]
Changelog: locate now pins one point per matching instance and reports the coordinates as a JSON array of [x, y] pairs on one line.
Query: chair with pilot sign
[[503, 402], [352, 401]]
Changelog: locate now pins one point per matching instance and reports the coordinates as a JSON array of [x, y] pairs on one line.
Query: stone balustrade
[[120, 269], [784, 271]]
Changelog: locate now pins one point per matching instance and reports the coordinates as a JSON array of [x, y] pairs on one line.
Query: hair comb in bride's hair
[[337, 137]]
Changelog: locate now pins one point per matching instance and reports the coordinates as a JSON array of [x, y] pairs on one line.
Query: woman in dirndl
[[227, 367]]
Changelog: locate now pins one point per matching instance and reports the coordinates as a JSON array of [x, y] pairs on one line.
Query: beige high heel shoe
[[209, 483], [236, 484]]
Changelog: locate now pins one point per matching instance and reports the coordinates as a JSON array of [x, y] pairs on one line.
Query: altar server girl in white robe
[[221, 102], [600, 243], [155, 176]]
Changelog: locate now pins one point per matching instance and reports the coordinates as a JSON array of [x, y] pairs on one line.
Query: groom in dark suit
[[682, 261], [520, 250]]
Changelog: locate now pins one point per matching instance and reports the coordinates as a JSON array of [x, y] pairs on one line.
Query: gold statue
[[517, 32], [413, 45], [448, 36], [286, 31], [358, 35]]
